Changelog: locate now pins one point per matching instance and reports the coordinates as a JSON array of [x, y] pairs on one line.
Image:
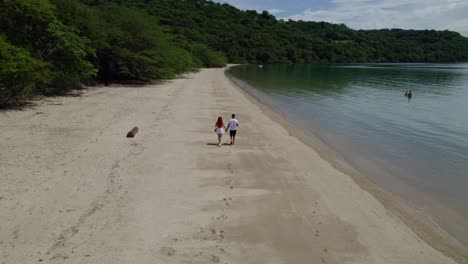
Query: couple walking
[[232, 126]]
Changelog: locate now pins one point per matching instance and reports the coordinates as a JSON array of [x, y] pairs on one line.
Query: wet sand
[[76, 190]]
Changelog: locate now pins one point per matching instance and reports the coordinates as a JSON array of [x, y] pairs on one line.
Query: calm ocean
[[416, 149]]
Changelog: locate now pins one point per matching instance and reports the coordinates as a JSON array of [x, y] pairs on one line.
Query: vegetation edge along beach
[[52, 46]]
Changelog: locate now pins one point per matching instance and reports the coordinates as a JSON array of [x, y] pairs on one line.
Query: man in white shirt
[[232, 126]]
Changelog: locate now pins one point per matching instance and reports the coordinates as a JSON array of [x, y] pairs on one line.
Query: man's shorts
[[232, 133]]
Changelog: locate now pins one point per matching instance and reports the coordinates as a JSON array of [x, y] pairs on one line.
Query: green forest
[[52, 46]]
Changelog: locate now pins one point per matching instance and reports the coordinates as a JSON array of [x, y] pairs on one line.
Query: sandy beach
[[74, 189]]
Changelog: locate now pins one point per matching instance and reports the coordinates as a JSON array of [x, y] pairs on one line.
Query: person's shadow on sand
[[216, 144]]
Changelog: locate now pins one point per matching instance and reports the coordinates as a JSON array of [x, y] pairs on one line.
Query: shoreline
[[76, 190], [421, 224]]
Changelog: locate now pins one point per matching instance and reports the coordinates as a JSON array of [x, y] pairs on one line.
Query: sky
[[369, 14]]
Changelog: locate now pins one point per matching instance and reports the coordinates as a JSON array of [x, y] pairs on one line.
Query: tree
[[20, 73]]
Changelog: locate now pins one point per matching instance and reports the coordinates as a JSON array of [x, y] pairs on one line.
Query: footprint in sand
[[229, 168], [221, 250], [221, 217], [226, 200], [168, 251], [215, 259], [229, 182], [213, 231]]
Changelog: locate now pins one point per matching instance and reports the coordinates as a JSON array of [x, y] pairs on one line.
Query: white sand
[[75, 190]]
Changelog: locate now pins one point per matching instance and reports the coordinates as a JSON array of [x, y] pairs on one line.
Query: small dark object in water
[[408, 94], [132, 132]]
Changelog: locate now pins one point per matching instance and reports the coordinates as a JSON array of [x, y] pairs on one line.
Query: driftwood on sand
[[132, 132]]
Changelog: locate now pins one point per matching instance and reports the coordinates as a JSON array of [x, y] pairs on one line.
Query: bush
[[69, 57], [20, 73], [25, 23], [207, 57], [33, 25], [135, 48]]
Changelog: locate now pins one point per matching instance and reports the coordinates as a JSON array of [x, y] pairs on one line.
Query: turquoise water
[[416, 149]]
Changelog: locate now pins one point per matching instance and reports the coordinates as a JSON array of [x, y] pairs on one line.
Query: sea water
[[416, 149]]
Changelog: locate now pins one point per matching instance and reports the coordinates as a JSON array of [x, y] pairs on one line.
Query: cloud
[[407, 14], [274, 11]]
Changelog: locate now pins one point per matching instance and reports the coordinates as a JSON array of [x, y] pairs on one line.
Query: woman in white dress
[[219, 129]]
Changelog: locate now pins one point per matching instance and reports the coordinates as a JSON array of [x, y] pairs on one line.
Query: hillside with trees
[[51, 46]]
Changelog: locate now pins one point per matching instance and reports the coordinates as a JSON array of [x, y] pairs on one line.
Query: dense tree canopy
[[50, 46], [249, 36]]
